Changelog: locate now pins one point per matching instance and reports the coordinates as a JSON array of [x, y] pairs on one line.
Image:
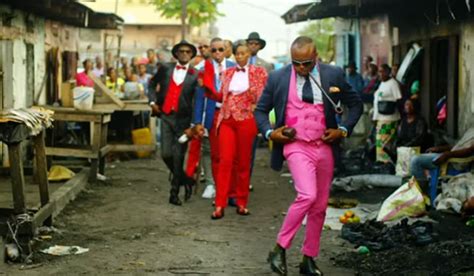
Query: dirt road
[[131, 229]]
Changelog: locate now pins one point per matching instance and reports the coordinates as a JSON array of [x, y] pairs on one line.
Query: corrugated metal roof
[[67, 11]]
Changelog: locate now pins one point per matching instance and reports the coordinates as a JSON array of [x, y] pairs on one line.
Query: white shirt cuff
[[268, 133]]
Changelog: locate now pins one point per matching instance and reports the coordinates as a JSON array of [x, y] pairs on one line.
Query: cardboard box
[[67, 98]]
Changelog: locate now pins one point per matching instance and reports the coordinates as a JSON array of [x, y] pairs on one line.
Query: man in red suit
[[174, 85]]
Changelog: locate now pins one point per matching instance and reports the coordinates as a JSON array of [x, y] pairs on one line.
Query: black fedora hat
[[256, 36], [174, 51]]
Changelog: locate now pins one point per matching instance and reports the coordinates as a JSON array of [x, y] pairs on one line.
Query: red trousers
[[214, 141], [235, 151], [214, 146], [194, 155]]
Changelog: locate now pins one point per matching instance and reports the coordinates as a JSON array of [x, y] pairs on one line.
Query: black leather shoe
[[308, 267], [277, 260], [188, 188], [174, 199], [188, 191]]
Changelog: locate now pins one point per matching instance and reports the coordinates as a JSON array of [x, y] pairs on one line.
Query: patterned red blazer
[[239, 106]]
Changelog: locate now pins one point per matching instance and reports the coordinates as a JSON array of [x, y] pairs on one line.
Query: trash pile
[[378, 236], [456, 193], [442, 244], [440, 258], [35, 118]]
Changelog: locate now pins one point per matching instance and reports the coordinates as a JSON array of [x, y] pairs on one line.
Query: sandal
[[218, 213], [241, 210]]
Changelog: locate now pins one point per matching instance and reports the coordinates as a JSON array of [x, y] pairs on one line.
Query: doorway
[[443, 79]]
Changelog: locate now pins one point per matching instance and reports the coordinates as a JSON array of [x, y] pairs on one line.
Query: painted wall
[[343, 28], [466, 77], [19, 35], [375, 38], [137, 39], [24, 29]]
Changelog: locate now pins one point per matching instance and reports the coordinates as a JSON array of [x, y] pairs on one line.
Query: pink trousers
[[311, 166]]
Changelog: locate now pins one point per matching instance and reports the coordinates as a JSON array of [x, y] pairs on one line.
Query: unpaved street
[[131, 229]]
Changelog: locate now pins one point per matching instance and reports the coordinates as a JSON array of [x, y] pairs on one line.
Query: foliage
[[198, 11], [322, 32]]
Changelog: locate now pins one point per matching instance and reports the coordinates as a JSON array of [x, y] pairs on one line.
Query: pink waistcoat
[[308, 119]]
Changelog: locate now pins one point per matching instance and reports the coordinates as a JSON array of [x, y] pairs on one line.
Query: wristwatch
[[152, 103], [343, 130]]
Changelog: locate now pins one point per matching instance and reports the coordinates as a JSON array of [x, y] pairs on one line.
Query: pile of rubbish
[[406, 248], [36, 118], [439, 258], [377, 236]]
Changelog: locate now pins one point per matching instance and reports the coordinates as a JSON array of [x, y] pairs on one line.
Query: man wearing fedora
[[174, 86], [256, 44]]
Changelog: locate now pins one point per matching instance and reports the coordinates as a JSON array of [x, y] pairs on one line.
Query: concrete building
[[145, 27]]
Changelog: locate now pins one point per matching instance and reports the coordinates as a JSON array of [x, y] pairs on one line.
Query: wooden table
[[98, 146], [44, 214], [132, 105]]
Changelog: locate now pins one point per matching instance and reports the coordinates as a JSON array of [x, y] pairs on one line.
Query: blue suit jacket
[[204, 108], [275, 95]]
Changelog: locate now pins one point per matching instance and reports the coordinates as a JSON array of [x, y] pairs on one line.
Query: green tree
[[198, 11], [322, 33]]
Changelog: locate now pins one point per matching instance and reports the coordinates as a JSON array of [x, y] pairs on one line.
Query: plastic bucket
[[83, 97]]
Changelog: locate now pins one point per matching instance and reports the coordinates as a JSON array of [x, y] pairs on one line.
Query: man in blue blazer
[[303, 95], [206, 113]]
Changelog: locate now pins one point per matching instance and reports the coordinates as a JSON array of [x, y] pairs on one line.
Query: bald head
[[303, 55]]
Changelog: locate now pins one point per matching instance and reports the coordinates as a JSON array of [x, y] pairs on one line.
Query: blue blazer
[[275, 95], [204, 108]]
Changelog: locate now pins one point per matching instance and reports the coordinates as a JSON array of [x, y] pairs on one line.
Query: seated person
[[436, 156], [412, 130], [133, 89]]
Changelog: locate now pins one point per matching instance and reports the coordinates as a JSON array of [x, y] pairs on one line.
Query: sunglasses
[[253, 43], [203, 46], [305, 63], [185, 51], [217, 49]]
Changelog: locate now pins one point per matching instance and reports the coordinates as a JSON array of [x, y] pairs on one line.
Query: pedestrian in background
[[386, 113], [354, 78]]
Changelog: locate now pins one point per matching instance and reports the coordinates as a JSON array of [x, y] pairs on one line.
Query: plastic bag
[[458, 189], [406, 201], [404, 156], [60, 173]]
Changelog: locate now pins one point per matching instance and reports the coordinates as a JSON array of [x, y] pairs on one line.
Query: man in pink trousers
[[303, 95]]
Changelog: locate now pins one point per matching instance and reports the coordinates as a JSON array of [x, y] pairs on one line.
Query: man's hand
[[278, 137], [199, 131], [442, 158], [189, 132], [155, 110], [439, 149], [332, 135], [200, 82]]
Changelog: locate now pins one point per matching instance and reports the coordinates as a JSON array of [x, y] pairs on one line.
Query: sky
[[262, 16]]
